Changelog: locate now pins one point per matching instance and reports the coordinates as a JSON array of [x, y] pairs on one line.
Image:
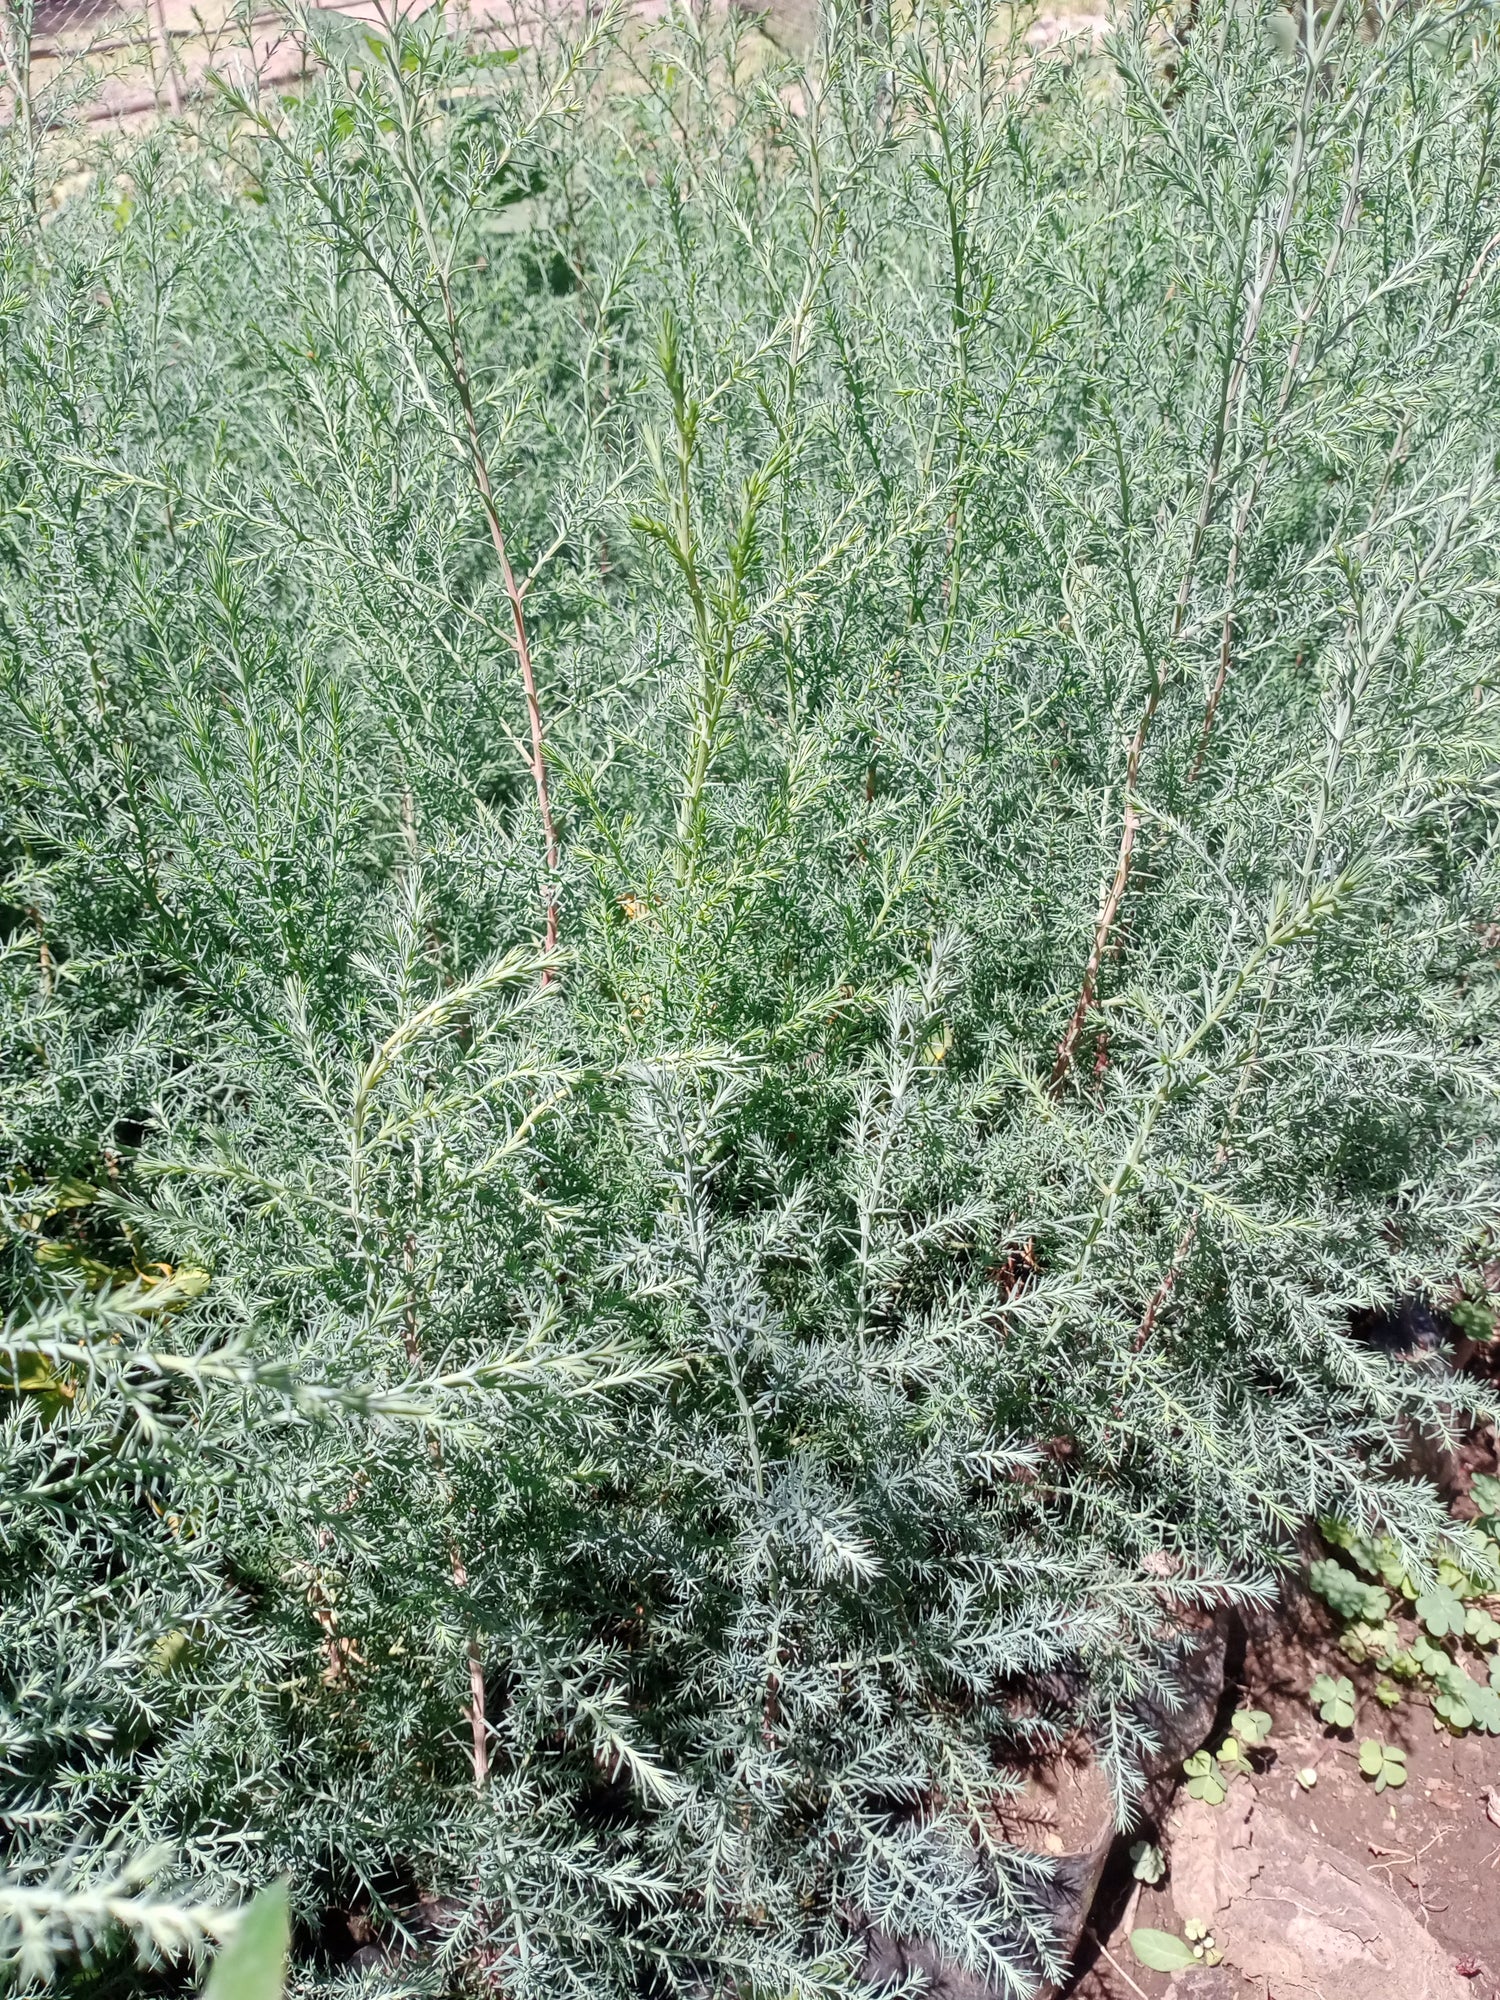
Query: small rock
[[1290, 1910], [1209, 1850]]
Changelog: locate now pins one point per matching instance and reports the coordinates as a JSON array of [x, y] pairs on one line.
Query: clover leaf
[[1458, 1580], [1200, 1938], [1484, 1703], [1441, 1610], [1484, 1491], [1453, 1709], [1204, 1781], [1334, 1700], [1251, 1725], [1383, 1762], [1346, 1595], [1363, 1642], [1231, 1754], [1431, 1660], [1383, 1559]]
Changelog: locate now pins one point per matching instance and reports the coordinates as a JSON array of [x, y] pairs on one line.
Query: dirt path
[[108, 63]]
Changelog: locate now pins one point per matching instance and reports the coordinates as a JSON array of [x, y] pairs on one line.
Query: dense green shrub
[[1005, 550]]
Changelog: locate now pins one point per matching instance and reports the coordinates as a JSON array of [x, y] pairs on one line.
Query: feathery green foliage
[[960, 583]]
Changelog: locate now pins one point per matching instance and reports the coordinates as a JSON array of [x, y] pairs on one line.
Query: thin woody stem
[[1234, 383], [479, 467], [449, 351], [1247, 502], [163, 40], [447, 347], [1169, 1279], [411, 1339], [15, 61], [1067, 1047], [456, 364]]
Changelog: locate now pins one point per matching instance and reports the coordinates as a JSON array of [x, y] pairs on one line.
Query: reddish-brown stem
[[478, 1725], [1164, 1290], [164, 48], [45, 964], [449, 351], [528, 675], [479, 466], [456, 1564], [1233, 384], [1110, 908]]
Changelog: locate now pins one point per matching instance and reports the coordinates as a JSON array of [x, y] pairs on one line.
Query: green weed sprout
[[1147, 1862], [1333, 1699], [1204, 1780], [1383, 1763]]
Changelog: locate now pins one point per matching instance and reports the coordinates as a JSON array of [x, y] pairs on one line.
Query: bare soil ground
[[117, 63]]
